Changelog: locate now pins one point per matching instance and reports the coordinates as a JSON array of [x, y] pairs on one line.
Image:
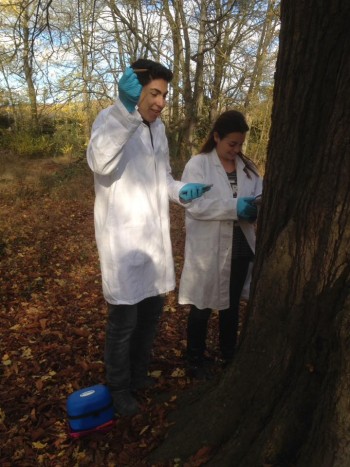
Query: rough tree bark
[[285, 400]]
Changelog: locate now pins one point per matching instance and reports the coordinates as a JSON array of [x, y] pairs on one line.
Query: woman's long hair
[[230, 121]]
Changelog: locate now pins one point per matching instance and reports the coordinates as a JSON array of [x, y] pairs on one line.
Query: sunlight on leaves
[[144, 429], [79, 455], [39, 445], [6, 360], [27, 353], [49, 376], [178, 373]]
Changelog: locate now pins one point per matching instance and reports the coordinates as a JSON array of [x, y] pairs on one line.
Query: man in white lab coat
[[128, 153]]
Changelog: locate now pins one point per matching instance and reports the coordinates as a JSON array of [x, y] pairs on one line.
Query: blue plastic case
[[89, 408]]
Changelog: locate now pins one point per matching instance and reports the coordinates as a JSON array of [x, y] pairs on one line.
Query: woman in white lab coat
[[220, 238]]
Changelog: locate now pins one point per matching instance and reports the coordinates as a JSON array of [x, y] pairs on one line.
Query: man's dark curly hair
[[155, 70]]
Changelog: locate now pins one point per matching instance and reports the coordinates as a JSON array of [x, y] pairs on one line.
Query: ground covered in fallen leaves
[[52, 324]]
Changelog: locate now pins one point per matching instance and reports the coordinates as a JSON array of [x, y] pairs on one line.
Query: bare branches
[[220, 51]]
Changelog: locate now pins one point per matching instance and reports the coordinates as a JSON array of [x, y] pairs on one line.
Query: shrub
[[29, 146]]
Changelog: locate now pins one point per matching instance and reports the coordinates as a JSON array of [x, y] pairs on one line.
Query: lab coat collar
[[238, 161]]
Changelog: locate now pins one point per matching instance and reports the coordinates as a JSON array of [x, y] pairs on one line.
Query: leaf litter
[[52, 321]]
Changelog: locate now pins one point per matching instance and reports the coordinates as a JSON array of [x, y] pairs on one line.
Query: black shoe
[[124, 403], [226, 362], [143, 383], [200, 371]]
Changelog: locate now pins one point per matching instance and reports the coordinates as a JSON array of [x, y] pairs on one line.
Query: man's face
[[152, 99]]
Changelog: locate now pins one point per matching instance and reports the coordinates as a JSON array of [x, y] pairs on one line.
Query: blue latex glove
[[192, 191], [247, 209], [129, 89]]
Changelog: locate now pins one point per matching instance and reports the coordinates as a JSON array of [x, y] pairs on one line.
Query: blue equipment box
[[88, 408]]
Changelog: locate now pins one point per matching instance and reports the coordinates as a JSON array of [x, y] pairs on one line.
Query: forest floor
[[52, 321]]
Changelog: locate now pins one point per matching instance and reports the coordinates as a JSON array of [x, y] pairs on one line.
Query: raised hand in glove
[[129, 89], [247, 209], [192, 191]]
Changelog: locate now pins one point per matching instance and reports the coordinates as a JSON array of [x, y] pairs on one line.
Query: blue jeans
[[130, 333]]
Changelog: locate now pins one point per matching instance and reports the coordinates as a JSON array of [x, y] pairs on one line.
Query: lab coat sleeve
[[217, 204], [174, 187], [111, 130]]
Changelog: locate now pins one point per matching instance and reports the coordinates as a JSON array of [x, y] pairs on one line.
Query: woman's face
[[229, 146]]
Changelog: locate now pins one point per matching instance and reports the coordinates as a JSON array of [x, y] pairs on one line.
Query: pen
[[207, 187]]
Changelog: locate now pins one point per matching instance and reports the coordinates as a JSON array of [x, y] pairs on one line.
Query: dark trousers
[[130, 333], [197, 324]]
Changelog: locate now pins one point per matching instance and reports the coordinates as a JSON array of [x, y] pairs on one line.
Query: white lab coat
[[205, 277], [133, 184]]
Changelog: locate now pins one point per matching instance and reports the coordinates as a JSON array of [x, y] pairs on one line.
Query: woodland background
[[58, 67]]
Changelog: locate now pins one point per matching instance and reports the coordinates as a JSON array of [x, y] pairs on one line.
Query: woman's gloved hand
[[192, 191], [247, 209], [129, 89]]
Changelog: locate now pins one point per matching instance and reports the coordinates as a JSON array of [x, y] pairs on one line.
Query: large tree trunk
[[285, 400]]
